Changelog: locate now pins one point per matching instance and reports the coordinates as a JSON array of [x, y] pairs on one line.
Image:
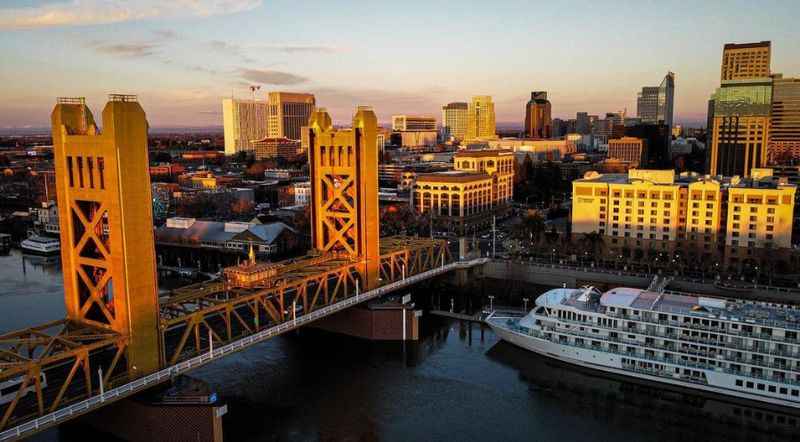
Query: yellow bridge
[[120, 338]]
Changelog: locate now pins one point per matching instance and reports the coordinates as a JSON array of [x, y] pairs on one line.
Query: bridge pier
[[388, 321], [186, 411]]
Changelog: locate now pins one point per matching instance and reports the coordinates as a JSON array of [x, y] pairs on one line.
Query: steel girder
[[50, 365]]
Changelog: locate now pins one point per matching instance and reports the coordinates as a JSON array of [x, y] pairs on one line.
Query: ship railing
[[677, 349], [679, 362]]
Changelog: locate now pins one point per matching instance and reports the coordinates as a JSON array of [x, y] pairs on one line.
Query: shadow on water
[[670, 414]]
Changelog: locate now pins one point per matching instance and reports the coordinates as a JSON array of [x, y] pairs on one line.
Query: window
[[739, 383]]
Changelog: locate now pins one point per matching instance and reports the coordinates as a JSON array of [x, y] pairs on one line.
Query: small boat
[[41, 245]]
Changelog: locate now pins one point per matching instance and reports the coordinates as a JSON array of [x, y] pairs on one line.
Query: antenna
[[253, 90]]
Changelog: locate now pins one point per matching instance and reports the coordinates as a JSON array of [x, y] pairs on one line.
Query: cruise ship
[[41, 245], [744, 349]]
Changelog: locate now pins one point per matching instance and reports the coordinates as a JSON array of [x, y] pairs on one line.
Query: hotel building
[[655, 210], [784, 132]]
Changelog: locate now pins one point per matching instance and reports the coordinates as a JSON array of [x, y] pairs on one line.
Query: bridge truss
[[62, 362]]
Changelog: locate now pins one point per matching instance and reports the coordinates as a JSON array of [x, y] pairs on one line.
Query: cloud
[[96, 12], [292, 49], [267, 76], [134, 50]]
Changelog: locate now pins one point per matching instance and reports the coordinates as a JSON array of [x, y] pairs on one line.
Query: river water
[[450, 386]]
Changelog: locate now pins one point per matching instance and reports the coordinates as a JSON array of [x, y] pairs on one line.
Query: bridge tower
[[105, 212], [344, 189]]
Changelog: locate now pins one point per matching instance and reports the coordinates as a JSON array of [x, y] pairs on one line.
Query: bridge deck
[[56, 364]]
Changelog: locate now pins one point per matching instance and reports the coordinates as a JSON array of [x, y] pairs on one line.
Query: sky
[[181, 57]]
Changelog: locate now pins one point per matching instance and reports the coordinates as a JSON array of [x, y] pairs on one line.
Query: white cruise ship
[[41, 245], [749, 350]]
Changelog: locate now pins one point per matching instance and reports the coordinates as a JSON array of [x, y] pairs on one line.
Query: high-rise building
[[655, 104], [784, 132], [582, 124], [244, 121], [288, 113], [560, 128], [740, 127], [745, 61], [454, 121], [480, 118], [741, 107], [538, 120], [658, 140]]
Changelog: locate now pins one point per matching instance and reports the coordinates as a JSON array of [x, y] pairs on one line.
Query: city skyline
[[182, 60]]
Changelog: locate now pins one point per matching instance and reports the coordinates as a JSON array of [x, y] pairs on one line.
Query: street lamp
[[525, 304], [491, 303]]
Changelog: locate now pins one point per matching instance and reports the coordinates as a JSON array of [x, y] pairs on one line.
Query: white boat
[[744, 349], [41, 245]]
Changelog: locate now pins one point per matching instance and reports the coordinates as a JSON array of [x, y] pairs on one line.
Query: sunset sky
[[181, 57]]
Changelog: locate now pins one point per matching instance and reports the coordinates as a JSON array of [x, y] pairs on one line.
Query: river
[[450, 386]]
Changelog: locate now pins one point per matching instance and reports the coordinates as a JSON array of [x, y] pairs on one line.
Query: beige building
[[270, 148], [454, 121], [288, 113], [243, 122], [541, 150], [658, 211], [480, 118], [481, 185], [745, 61], [630, 149], [413, 123]]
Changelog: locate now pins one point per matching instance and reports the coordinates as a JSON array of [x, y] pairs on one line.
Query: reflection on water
[[31, 290]]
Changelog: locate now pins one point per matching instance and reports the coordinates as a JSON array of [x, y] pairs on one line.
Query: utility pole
[[494, 234]]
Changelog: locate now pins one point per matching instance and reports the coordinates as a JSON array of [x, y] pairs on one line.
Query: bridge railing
[[76, 409]]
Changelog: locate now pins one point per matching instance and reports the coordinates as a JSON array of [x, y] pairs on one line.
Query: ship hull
[[611, 364]]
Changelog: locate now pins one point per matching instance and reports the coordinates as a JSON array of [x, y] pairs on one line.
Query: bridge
[[120, 338]]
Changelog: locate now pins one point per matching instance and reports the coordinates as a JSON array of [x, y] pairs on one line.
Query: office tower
[[628, 149], [244, 121], [413, 131], [582, 125], [288, 113], [481, 121], [784, 133], [538, 121], [745, 61], [559, 128], [658, 140], [655, 104], [740, 125], [411, 122], [454, 121]]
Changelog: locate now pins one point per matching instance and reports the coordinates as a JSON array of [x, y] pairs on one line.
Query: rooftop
[[452, 176], [483, 153]]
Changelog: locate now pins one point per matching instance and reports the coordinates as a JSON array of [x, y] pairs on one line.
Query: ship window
[[771, 389], [739, 383], [795, 393], [784, 390], [749, 385], [760, 387]]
